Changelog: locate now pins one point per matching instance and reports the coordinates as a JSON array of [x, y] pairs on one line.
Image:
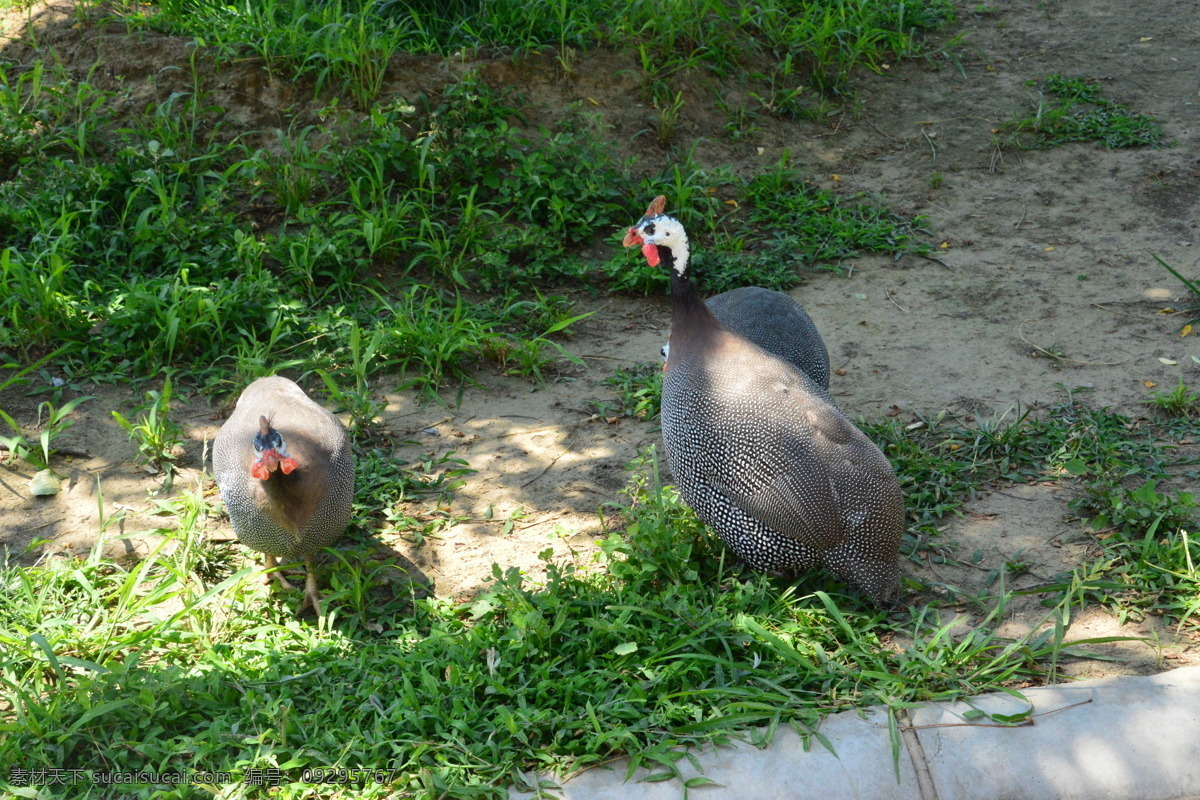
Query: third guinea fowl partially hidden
[[758, 448]]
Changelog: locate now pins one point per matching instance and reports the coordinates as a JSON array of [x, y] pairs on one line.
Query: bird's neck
[[692, 322]]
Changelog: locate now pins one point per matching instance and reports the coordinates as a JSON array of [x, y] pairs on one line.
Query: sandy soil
[[1038, 251]]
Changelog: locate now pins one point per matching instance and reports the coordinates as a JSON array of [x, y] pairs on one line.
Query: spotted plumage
[[760, 451], [286, 473]]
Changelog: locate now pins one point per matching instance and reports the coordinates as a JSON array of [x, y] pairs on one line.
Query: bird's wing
[[785, 480]]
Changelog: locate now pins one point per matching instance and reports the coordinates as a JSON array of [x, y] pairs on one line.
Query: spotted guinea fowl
[[286, 474], [776, 323], [760, 451]]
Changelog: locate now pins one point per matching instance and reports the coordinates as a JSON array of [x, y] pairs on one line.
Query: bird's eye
[[649, 229]]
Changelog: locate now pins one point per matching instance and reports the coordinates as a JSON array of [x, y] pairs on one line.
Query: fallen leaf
[[836, 177], [1186, 330], [733, 203], [1167, 361], [1150, 384], [1047, 249], [843, 372], [1166, 311]]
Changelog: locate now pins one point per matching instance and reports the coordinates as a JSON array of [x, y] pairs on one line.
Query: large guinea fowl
[[776, 323], [286, 473], [760, 451]]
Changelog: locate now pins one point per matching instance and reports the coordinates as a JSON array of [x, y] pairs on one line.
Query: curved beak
[[633, 237]]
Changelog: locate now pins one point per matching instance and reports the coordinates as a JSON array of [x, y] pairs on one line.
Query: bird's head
[[662, 238], [272, 452]]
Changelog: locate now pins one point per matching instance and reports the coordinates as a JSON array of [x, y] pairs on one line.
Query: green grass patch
[[152, 243], [656, 643], [1072, 110], [347, 45], [783, 226]]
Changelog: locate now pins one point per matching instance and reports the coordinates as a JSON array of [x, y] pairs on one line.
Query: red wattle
[[287, 465], [259, 470], [650, 251]]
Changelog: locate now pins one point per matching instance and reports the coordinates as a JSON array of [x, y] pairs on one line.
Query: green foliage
[[388, 488], [1179, 402], [56, 421], [346, 45], [1080, 114], [785, 225], [155, 433], [1119, 469], [1193, 289], [639, 391], [655, 644]]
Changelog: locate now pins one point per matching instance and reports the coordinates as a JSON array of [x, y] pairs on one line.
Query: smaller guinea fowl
[[760, 451], [286, 473], [776, 323]]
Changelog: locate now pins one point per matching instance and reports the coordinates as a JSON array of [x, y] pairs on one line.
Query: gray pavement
[[1123, 738]]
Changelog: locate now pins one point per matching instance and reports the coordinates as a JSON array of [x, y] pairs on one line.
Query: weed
[[1080, 115], [1179, 402], [668, 118], [1193, 288], [639, 391], [431, 339], [155, 433], [56, 422], [359, 401], [390, 489]]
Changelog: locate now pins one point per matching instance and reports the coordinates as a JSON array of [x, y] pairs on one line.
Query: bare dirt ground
[[1038, 251]]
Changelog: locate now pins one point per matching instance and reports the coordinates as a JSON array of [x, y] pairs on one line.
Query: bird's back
[[778, 324]]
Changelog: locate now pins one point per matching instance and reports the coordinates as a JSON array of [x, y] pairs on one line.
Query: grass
[[1079, 114], [1193, 288], [653, 643], [780, 226], [346, 45]]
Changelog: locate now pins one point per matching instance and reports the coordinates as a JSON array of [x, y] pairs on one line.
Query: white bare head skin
[[654, 230]]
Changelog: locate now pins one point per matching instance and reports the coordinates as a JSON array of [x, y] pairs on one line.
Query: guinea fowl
[[776, 323], [286, 474], [760, 451]]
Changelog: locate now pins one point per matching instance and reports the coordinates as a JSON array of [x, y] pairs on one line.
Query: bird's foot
[[312, 598], [275, 573]]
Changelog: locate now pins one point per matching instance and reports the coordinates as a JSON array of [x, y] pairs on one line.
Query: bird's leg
[[273, 571], [311, 596]]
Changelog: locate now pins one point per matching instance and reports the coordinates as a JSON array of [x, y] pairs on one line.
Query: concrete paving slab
[[783, 770], [1126, 738], [1122, 738]]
